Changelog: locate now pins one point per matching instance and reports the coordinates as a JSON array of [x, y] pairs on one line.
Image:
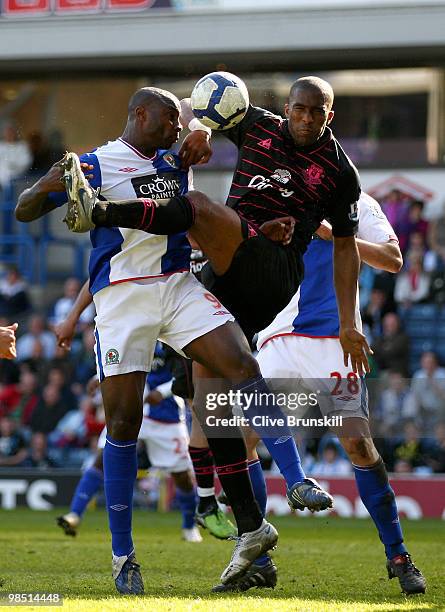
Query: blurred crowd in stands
[[51, 415], [34, 155]]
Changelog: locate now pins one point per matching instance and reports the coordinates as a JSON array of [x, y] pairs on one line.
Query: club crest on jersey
[[112, 357], [170, 160], [266, 143], [313, 175], [282, 176]]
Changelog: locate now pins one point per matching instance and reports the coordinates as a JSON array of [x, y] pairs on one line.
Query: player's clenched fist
[[7, 342]]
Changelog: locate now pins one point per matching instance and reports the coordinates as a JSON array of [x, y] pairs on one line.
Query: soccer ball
[[219, 100]]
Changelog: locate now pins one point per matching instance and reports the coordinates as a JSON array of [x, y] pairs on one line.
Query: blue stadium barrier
[[418, 328], [27, 245], [20, 251], [422, 312], [78, 252]]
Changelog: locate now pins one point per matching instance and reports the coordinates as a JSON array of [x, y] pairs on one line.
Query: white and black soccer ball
[[219, 100]]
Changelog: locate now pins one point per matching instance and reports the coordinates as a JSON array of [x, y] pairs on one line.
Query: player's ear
[[330, 117], [140, 112], [286, 109]]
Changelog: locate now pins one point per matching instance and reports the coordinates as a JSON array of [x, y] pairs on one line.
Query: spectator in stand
[[37, 455], [391, 349], [56, 146], [38, 342], [12, 443], [14, 299], [373, 313], [417, 244], [84, 361], [414, 449], [438, 460], [64, 304], [70, 431], [93, 408], [57, 376], [48, 411], [395, 207], [40, 157], [428, 388], [413, 284], [9, 398], [413, 222], [396, 405], [436, 238], [28, 389], [15, 156], [402, 466], [331, 463]]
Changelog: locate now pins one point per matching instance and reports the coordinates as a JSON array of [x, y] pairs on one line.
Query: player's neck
[[132, 139]]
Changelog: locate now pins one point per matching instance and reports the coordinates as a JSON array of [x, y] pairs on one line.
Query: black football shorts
[[262, 279]]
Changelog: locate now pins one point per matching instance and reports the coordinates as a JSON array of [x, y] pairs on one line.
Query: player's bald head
[[315, 85], [152, 96]]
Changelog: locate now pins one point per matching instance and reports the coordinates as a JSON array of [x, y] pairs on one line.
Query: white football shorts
[[298, 364], [133, 315], [166, 444]]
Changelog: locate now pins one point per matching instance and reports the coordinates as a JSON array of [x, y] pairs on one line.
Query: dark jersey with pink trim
[[275, 178]]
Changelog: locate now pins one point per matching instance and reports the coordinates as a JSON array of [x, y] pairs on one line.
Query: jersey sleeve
[[373, 225], [343, 213], [59, 197], [239, 131]]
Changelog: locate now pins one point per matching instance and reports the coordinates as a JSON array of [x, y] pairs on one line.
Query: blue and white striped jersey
[[121, 173]]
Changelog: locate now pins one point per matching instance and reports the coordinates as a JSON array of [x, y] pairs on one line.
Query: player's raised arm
[[346, 270], [376, 239], [386, 256], [383, 256], [195, 148], [34, 202], [65, 330], [45, 195]]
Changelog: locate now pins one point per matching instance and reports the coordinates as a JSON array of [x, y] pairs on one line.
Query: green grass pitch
[[325, 564]]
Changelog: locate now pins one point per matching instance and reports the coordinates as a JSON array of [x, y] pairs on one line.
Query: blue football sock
[[260, 492], [90, 483], [120, 471], [258, 484], [187, 504], [378, 497], [277, 439]]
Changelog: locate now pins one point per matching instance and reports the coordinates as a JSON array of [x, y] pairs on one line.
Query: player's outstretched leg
[[90, 483], [378, 497], [85, 211]]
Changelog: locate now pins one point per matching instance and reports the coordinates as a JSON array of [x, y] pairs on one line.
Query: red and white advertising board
[[416, 497]]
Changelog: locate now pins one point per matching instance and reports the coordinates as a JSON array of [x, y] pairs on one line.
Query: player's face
[[161, 127], [308, 116]]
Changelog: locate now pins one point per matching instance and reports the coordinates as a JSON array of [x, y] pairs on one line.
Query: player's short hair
[[147, 96], [315, 84]]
